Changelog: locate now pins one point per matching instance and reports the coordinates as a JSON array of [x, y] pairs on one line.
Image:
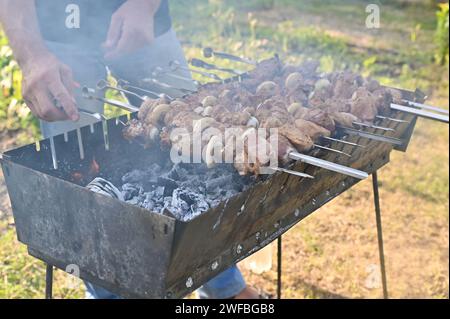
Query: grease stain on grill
[[189, 282], [215, 266]]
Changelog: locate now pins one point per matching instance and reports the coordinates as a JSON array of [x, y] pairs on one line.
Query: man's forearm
[[19, 20]]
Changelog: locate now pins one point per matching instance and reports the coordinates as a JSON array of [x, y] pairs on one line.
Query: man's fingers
[[47, 109], [68, 79], [32, 108], [114, 33], [65, 99]]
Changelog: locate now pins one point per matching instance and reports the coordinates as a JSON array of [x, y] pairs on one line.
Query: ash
[[183, 191]]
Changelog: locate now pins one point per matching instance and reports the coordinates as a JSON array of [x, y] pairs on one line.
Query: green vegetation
[[442, 34], [338, 243]]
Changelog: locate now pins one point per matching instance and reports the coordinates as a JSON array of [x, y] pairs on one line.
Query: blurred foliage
[[14, 115], [442, 34]]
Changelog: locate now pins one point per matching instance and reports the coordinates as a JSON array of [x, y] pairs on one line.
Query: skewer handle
[[421, 113], [372, 136], [329, 165], [209, 53], [90, 94], [426, 107], [204, 65]]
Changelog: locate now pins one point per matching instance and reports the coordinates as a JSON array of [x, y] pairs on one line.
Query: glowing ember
[[95, 168]]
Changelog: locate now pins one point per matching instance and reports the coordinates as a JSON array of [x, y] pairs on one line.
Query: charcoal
[[130, 191], [219, 181], [160, 191], [169, 185], [182, 191]]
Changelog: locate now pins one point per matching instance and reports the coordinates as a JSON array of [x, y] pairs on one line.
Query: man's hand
[[47, 83], [132, 27], [48, 88]]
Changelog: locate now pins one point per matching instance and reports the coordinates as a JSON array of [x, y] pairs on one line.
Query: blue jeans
[[225, 286], [88, 68]]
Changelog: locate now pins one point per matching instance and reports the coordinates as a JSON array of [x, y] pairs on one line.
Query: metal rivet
[[277, 225], [239, 249], [189, 282], [258, 236], [344, 184], [215, 265], [169, 295], [314, 202], [328, 193], [297, 212]]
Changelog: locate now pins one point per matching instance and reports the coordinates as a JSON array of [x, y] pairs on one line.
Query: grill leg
[[49, 282], [280, 267], [376, 196]]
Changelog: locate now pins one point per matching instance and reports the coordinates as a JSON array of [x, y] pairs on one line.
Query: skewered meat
[[345, 85], [233, 119], [372, 85], [267, 89], [383, 100], [294, 82], [268, 97], [267, 69], [338, 105], [343, 119], [364, 105], [297, 137], [314, 131], [284, 148], [396, 96], [298, 96], [320, 118]]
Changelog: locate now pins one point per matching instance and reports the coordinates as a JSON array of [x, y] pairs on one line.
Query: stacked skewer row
[[308, 110]]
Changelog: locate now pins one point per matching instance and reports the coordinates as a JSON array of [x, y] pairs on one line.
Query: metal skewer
[[204, 65], [426, 107], [90, 94], [80, 144], [387, 129], [331, 150], [158, 72], [167, 86], [126, 85], [391, 119], [103, 84], [342, 141], [291, 172], [175, 65], [53, 151], [209, 53], [329, 165], [372, 136], [96, 116], [421, 113]]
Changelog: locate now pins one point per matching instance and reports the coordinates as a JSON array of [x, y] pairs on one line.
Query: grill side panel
[[117, 246]]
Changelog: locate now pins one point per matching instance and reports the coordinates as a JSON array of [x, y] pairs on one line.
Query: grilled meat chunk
[[313, 130], [297, 137]]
